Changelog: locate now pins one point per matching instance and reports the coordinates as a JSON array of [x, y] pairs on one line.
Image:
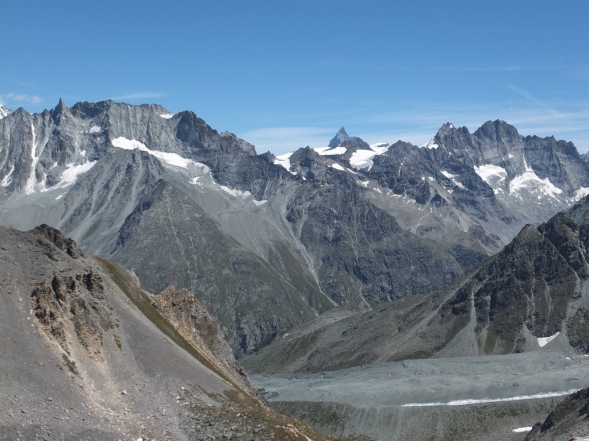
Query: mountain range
[[469, 251], [266, 242]]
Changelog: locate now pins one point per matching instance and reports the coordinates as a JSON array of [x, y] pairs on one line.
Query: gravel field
[[441, 396]]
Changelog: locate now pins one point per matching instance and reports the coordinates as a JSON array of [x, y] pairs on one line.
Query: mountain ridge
[[325, 227]]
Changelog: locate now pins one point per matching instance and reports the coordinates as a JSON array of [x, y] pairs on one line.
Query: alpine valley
[[367, 286]]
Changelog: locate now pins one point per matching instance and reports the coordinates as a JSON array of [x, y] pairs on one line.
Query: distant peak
[[497, 130], [446, 128], [60, 108], [340, 137]]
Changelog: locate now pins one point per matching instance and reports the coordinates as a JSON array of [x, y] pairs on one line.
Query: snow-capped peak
[[4, 111]]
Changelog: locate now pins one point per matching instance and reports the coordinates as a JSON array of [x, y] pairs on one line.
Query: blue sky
[[285, 74]]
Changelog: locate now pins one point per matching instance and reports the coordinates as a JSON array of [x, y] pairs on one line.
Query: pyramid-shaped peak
[[60, 108], [340, 137]]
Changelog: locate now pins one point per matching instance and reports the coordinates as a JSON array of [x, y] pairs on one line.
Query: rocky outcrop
[[77, 300], [197, 326], [569, 420]]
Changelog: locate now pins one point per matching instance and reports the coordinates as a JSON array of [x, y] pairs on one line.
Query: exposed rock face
[[340, 137], [536, 288], [196, 325], [78, 300], [58, 239], [358, 247]]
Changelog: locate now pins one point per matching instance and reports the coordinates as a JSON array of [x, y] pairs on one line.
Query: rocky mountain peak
[[446, 129], [497, 131], [60, 109], [4, 111], [340, 137]]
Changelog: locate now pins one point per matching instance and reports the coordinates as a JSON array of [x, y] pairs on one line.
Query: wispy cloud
[[139, 95], [540, 104], [417, 122], [12, 98]]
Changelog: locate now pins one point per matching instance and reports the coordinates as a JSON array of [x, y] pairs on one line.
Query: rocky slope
[[532, 294], [87, 356]]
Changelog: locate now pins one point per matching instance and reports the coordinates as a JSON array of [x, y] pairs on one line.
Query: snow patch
[[262, 202], [71, 173], [530, 180], [522, 429], [338, 167], [128, 144], [451, 177], [543, 341], [95, 129], [236, 193], [284, 161], [7, 179], [30, 184], [328, 151], [430, 145], [173, 159], [59, 197], [581, 193], [362, 159], [4, 111], [166, 115], [494, 400], [486, 172]]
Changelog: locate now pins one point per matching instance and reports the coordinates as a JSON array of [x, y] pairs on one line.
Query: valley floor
[[478, 395]]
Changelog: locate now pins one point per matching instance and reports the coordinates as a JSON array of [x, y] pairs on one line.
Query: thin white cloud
[[534, 100], [280, 140], [138, 95], [418, 122], [20, 98]]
